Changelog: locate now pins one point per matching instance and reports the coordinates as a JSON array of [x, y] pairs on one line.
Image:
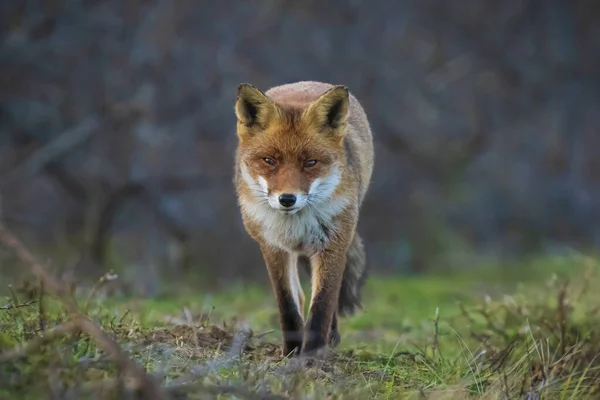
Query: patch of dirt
[[212, 337], [264, 350]]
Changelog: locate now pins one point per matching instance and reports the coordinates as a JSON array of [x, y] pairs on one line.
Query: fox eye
[[269, 161], [310, 163]]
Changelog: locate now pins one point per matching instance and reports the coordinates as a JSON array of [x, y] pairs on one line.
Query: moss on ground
[[486, 336]]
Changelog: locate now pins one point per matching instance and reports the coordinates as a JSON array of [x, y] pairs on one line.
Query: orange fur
[[309, 142]]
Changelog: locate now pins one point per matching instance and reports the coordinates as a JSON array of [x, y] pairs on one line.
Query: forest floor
[[490, 335]]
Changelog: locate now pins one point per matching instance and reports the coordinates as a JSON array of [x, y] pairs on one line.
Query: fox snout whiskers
[[288, 203]]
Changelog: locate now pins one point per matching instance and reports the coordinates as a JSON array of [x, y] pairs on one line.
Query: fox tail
[[355, 274]]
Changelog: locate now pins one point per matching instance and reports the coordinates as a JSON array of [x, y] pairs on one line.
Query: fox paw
[[334, 338], [291, 350]]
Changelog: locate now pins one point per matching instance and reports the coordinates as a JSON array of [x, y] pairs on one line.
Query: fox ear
[[330, 111], [253, 107]]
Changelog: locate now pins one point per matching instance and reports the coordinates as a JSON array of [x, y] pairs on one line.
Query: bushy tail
[[354, 278]]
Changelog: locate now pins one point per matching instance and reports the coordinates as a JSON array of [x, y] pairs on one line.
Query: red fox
[[303, 165]]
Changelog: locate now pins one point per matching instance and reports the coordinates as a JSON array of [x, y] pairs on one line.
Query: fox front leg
[[327, 273], [283, 275]]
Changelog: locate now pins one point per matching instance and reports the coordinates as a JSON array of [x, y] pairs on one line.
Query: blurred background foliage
[[117, 129]]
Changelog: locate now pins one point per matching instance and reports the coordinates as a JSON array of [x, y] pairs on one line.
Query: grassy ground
[[491, 336]]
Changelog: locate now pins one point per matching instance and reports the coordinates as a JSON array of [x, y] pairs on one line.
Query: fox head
[[291, 156]]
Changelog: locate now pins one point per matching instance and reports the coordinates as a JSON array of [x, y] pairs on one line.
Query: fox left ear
[[330, 110]]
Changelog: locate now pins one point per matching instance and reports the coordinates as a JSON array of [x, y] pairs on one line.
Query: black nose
[[287, 200]]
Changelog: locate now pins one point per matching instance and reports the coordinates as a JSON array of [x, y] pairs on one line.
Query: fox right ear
[[253, 107]]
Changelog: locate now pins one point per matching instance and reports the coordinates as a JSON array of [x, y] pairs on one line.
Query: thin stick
[[41, 309], [13, 306]]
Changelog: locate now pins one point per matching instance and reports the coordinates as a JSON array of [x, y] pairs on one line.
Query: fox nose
[[287, 200]]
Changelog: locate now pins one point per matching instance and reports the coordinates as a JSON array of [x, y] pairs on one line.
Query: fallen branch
[[147, 387], [143, 383]]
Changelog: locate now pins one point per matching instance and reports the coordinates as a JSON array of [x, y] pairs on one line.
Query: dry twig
[[20, 305]]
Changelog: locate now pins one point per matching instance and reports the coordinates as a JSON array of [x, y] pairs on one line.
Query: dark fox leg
[[281, 268], [334, 334], [327, 273]]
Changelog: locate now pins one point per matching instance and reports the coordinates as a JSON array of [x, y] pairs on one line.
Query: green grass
[[528, 332]]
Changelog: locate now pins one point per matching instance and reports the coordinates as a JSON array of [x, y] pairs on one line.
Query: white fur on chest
[[311, 229]]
